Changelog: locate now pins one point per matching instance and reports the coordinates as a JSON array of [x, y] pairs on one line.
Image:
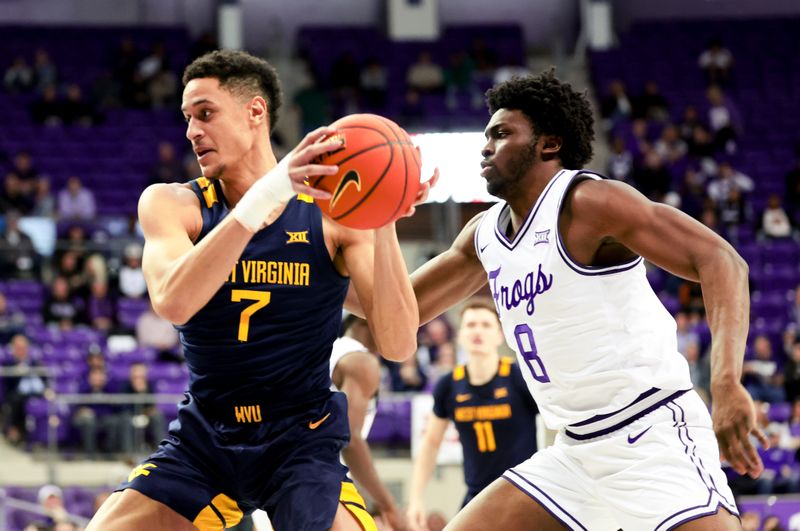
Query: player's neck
[[529, 190], [239, 177], [482, 367]]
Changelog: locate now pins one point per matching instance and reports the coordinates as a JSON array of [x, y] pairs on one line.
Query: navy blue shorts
[[215, 468]]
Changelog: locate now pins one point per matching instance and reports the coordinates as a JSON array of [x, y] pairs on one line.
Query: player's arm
[[380, 279], [358, 376], [614, 212], [423, 469]]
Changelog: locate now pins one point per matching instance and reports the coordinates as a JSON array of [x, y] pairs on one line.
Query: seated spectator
[[18, 77], [716, 61], [761, 375], [407, 376], [146, 416], [685, 332], [131, 278], [459, 81], [45, 72], [12, 322], [75, 201], [690, 119], [99, 308], [163, 89], [23, 167], [374, 84], [727, 178], [14, 196], [616, 107], [75, 110], [671, 147], [70, 267], [411, 113], [620, 161], [651, 104], [699, 370], [724, 120], [425, 76], [652, 178], [735, 210], [153, 63], [167, 169], [44, 204], [701, 144], [48, 109], [158, 333], [97, 423], [18, 256], [434, 337], [61, 307], [19, 387], [775, 221], [791, 374], [51, 500]]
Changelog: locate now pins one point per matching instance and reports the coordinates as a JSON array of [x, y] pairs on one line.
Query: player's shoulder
[[161, 194]]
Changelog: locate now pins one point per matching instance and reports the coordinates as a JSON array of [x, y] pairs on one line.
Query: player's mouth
[[486, 167], [202, 153]]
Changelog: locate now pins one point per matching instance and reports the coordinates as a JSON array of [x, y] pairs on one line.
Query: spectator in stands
[[131, 278], [689, 120], [124, 62], [685, 332], [693, 192], [24, 169], [75, 110], [459, 81], [167, 169], [99, 307], [620, 161], [773, 522], [106, 92], [775, 223], [425, 76], [791, 374], [75, 201], [724, 120], [701, 144], [312, 104], [411, 113], [751, 521], [652, 178], [734, 210], [19, 386], [61, 307], [44, 71], [699, 370], [616, 107], [485, 60], [44, 204], [14, 197], [716, 61], [162, 89], [670, 146], [727, 178], [12, 321], [97, 423], [407, 375], [434, 337], [18, 77], [651, 104], [70, 267], [153, 63], [155, 332], [51, 500], [48, 109], [374, 84], [147, 416], [761, 375], [18, 256]]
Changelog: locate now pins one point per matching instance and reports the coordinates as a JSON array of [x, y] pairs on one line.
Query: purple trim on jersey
[[606, 415], [625, 422], [528, 219], [697, 516], [703, 466], [540, 502]]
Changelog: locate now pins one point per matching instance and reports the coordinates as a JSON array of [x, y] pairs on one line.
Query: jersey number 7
[[261, 299]]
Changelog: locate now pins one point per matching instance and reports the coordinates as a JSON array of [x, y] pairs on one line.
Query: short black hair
[[553, 108], [242, 74]]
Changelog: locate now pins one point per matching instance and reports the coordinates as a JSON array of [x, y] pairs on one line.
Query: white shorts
[[656, 473]]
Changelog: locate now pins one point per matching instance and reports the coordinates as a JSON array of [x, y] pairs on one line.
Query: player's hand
[[734, 419], [416, 517], [302, 163], [422, 193], [394, 519]]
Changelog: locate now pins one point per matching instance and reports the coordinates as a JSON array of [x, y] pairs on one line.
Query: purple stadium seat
[[779, 412]]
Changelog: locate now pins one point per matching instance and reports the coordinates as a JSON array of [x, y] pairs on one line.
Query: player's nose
[[193, 130]]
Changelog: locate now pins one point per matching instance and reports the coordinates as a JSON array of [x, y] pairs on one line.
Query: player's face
[[218, 125], [480, 331], [509, 152]]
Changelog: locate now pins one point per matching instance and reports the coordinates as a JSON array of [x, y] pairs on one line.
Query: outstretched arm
[[423, 468], [613, 212]]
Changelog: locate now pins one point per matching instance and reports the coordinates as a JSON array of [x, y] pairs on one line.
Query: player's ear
[[551, 144], [258, 110]]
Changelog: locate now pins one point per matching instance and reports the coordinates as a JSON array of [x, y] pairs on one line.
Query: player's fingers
[[731, 451], [435, 179], [316, 193], [314, 136], [313, 151], [299, 173]]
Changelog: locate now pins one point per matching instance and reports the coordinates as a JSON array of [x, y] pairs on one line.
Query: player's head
[[479, 332], [534, 118], [230, 101]]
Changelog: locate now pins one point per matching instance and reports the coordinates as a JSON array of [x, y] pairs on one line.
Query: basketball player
[[254, 277], [563, 254], [488, 401]]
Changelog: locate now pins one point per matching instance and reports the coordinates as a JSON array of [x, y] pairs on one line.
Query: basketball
[[379, 172]]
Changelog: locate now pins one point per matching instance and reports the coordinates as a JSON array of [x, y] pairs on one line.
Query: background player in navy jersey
[[255, 279], [563, 256], [490, 405]]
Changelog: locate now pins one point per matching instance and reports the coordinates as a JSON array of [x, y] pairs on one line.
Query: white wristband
[[269, 192]]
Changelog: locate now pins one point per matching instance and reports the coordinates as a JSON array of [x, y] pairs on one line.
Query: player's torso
[[496, 427], [589, 340], [270, 327]]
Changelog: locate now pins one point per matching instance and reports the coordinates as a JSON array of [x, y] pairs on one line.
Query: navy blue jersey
[[267, 333], [495, 421]]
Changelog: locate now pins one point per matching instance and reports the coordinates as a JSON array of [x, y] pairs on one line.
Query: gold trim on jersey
[[353, 502], [209, 191], [223, 512], [505, 367], [459, 372]]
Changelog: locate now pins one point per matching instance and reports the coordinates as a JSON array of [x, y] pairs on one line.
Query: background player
[[490, 405], [258, 310], [562, 254]]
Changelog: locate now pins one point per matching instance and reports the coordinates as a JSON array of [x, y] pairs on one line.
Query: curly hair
[[553, 108], [242, 74]]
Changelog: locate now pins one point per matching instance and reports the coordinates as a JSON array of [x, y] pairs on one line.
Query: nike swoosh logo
[[315, 425], [632, 440], [351, 177], [463, 397], [484, 248]]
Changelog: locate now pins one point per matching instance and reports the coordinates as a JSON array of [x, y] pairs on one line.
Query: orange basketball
[[379, 172]]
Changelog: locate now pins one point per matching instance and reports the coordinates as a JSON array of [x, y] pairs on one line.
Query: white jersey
[[341, 347], [595, 344]]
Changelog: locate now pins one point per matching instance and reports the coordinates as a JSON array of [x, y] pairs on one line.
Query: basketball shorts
[[659, 471], [214, 469]]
